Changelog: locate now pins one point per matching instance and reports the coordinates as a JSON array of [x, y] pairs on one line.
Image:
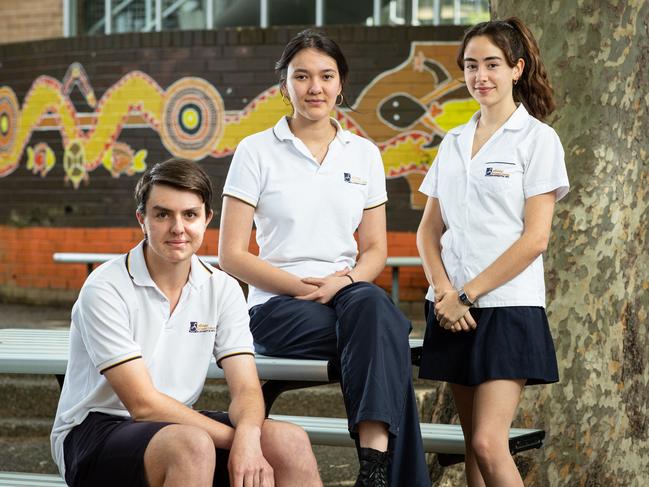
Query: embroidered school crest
[[348, 178], [196, 327], [496, 173]]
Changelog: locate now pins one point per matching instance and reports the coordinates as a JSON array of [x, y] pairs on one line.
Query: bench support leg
[[448, 459], [273, 388]]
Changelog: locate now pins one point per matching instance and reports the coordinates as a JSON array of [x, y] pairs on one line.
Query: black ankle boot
[[373, 470]]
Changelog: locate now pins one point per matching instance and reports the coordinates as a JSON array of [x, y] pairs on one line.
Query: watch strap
[[464, 299]]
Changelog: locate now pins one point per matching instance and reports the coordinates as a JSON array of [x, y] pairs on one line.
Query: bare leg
[[494, 406], [373, 434], [463, 398], [288, 450], [180, 455]]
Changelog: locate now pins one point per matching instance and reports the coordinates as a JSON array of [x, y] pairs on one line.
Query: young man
[[142, 334]]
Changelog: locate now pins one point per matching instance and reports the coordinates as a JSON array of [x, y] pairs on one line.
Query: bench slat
[[29, 351], [98, 258], [19, 479], [438, 438]]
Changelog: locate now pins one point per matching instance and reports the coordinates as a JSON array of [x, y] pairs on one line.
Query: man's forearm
[[165, 408], [247, 407]]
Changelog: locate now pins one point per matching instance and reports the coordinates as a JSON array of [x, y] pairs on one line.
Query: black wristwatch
[[464, 299]]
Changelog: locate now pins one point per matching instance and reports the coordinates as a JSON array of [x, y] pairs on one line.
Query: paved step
[[28, 396], [36, 396], [25, 427]]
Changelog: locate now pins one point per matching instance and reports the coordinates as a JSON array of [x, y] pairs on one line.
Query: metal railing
[[148, 15]]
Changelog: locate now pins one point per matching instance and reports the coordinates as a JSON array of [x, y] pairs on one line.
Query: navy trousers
[[367, 337]]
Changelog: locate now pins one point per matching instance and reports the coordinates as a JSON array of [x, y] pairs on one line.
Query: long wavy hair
[[516, 41]]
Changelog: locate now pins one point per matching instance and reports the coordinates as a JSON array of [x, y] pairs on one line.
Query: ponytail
[[516, 41], [533, 88]]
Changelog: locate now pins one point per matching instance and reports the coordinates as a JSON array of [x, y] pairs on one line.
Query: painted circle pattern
[[193, 118], [9, 114]]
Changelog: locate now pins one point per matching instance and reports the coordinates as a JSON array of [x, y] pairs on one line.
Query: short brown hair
[[181, 174]]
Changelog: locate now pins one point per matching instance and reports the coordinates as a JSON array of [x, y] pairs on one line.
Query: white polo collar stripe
[[139, 272], [283, 132]]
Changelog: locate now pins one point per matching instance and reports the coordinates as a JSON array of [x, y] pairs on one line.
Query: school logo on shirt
[[353, 179], [196, 327], [496, 173]]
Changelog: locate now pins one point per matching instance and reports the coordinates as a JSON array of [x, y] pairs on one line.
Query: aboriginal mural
[[406, 111]]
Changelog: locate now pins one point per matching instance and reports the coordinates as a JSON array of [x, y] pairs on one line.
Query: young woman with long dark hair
[[308, 185], [491, 194]]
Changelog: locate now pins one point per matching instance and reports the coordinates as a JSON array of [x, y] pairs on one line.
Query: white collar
[[516, 121], [283, 131], [139, 272]]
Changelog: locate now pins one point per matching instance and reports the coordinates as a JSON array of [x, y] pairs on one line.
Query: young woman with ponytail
[[491, 194]]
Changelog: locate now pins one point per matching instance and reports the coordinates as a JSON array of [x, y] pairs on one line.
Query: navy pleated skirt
[[512, 342]]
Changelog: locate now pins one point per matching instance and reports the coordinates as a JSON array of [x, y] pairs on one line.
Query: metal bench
[[90, 259], [445, 439], [29, 351], [19, 479]]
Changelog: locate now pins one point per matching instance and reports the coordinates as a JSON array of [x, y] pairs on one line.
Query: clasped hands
[[451, 314], [323, 289]]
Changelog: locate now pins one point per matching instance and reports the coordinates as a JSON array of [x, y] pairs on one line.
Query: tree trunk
[[597, 267]]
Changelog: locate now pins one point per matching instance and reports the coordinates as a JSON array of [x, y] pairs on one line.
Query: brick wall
[[29, 273], [41, 213], [26, 20]]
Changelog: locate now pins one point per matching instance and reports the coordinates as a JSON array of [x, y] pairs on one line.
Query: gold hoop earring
[[515, 81], [285, 99], [342, 99]]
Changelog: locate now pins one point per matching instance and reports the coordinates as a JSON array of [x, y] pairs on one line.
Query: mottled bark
[[597, 267]]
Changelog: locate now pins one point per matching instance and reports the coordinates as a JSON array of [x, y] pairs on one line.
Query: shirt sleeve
[[429, 184], [376, 192], [233, 335], [545, 170], [244, 176], [103, 320]]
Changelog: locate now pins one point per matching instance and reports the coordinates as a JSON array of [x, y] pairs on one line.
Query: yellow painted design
[[407, 148], [73, 164], [190, 118], [40, 159], [456, 112], [260, 114], [406, 111], [120, 159]]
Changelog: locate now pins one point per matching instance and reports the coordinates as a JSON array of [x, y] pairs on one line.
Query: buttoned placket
[[465, 147], [167, 315]]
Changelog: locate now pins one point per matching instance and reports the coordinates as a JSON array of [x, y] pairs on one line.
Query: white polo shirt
[[306, 213], [121, 315], [482, 200]]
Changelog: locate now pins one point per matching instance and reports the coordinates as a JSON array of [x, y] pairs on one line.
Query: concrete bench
[[29, 351], [91, 259]]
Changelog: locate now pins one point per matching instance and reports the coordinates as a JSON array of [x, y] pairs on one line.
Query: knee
[[488, 449], [289, 446], [189, 447], [367, 292], [372, 301]]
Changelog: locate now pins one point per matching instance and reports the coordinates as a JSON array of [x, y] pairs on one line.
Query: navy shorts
[[108, 451], [511, 342]]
